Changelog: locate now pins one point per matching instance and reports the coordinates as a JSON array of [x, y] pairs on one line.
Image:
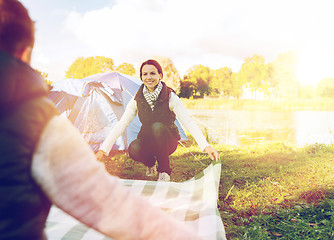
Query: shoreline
[[318, 104]]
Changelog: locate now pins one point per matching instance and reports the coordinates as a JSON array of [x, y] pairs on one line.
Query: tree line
[[262, 80]]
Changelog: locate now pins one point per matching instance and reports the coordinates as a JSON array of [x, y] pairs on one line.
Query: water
[[242, 127]]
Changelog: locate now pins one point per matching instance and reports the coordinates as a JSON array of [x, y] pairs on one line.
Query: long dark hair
[[154, 63]]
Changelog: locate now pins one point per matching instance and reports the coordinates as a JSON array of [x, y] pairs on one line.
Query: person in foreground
[[44, 160], [158, 106]]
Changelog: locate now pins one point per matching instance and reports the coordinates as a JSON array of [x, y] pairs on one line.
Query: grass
[[267, 191], [278, 192]]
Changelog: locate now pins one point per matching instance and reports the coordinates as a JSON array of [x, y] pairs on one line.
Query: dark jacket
[[161, 112], [25, 110]]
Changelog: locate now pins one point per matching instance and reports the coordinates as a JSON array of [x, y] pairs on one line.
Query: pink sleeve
[[68, 172]]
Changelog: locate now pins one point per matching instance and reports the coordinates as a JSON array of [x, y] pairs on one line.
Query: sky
[[214, 33]]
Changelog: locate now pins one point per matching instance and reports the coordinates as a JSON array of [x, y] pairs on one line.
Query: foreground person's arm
[[67, 170]]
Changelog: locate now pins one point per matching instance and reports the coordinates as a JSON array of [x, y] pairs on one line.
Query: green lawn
[[267, 191]]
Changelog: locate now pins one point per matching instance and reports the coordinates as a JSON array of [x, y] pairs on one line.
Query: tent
[[96, 103]]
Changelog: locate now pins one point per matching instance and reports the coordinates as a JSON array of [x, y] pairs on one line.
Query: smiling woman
[[157, 106]]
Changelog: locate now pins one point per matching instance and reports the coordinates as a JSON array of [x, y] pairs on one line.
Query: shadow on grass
[[184, 166], [271, 194], [314, 220]]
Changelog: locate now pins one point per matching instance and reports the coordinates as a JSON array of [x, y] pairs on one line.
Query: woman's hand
[[214, 155], [100, 155]]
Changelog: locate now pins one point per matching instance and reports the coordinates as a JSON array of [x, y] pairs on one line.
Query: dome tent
[[96, 103]]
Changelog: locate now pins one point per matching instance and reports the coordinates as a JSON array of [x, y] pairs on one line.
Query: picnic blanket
[[193, 201]]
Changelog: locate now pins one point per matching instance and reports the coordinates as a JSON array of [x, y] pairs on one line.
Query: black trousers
[[156, 146]]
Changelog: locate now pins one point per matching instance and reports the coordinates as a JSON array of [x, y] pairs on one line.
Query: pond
[[242, 127]]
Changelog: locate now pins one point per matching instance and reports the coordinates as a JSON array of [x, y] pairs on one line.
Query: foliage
[[171, 75], [255, 74], [200, 76], [44, 76], [306, 92], [83, 67], [221, 81], [274, 80], [236, 90], [325, 88], [126, 68], [225, 83], [284, 76], [187, 89]]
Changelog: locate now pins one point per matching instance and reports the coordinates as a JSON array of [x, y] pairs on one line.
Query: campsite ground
[[267, 191]]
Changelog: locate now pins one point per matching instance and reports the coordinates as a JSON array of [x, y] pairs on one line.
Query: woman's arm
[[177, 106], [66, 169], [127, 117]]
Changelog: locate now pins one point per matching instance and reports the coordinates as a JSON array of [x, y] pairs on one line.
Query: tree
[[200, 76], [255, 75], [171, 75], [284, 75], [325, 88], [83, 67], [44, 76], [221, 81], [236, 89], [306, 92], [126, 68], [187, 89]]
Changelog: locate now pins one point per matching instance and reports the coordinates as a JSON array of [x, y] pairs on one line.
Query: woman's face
[[150, 77]]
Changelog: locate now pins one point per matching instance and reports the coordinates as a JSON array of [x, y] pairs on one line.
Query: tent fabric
[[193, 202], [96, 103]]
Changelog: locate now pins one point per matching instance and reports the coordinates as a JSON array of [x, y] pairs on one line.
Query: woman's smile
[[150, 77]]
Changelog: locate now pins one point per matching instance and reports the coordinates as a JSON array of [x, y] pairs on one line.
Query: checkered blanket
[[193, 201]]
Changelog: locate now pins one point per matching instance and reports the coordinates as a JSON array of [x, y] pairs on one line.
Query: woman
[[157, 106]]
